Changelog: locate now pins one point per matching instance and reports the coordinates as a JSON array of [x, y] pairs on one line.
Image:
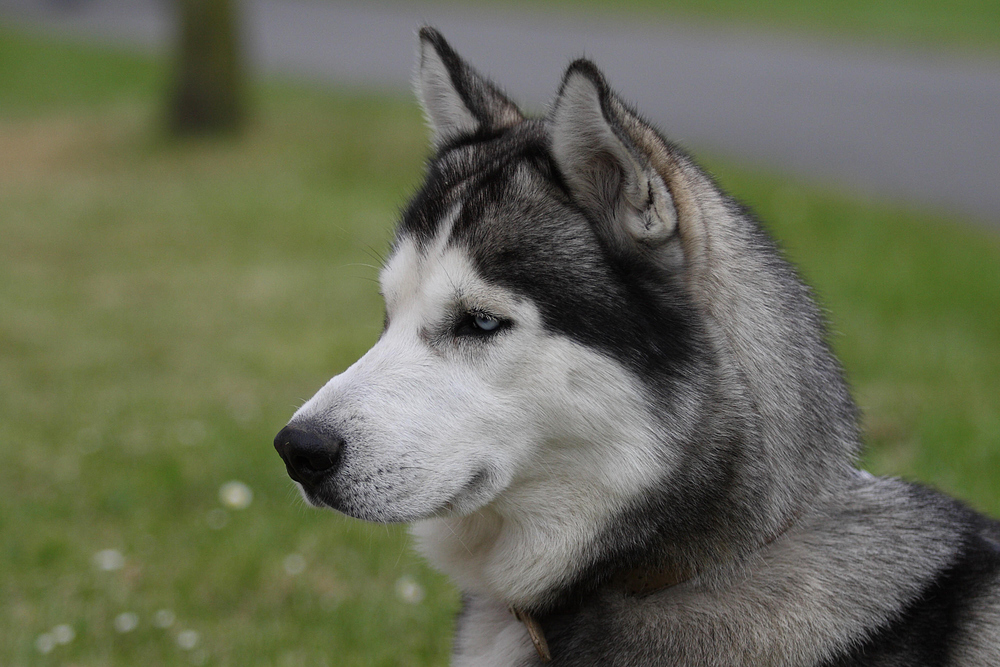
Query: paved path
[[920, 129]]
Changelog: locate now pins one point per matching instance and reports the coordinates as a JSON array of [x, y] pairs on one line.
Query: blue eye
[[479, 324], [485, 322]]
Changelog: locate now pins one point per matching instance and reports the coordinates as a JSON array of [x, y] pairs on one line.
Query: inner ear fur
[[456, 99], [601, 149]]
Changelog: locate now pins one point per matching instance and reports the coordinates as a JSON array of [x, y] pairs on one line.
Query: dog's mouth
[[381, 501], [473, 495], [374, 500], [320, 494], [317, 460]]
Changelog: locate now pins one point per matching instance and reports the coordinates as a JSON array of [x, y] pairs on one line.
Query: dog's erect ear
[[457, 99], [602, 149]]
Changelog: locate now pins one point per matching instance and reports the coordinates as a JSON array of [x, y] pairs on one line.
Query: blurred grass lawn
[[164, 308]]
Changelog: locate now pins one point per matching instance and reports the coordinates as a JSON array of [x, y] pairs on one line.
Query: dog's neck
[[526, 562], [470, 569], [824, 555], [519, 561]]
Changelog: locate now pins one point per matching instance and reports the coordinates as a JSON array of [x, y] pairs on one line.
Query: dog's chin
[[373, 513], [376, 512], [471, 497]]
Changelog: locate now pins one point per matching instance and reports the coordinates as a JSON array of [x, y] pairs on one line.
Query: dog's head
[[589, 351], [527, 309]]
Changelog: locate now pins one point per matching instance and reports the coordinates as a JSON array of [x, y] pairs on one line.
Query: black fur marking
[[528, 239], [468, 161], [926, 632]]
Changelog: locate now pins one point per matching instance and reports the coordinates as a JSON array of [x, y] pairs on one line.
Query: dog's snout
[[309, 456]]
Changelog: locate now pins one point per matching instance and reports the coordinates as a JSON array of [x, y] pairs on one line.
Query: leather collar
[[535, 632]]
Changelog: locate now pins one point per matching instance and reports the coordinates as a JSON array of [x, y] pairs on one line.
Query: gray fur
[[643, 324]]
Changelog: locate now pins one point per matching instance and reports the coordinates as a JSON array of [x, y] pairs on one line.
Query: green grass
[[963, 25], [164, 308]]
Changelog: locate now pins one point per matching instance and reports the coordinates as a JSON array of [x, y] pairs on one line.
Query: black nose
[[308, 455]]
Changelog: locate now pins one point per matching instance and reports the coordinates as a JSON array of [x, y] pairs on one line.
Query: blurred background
[[194, 199]]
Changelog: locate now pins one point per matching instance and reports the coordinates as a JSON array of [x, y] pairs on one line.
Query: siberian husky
[[607, 406]]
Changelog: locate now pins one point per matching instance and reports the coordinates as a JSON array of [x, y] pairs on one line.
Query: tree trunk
[[208, 90]]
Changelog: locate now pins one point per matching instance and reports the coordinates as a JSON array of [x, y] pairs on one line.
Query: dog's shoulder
[[890, 574], [955, 619]]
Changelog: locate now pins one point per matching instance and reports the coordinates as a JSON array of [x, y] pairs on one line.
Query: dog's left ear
[[603, 151], [456, 98]]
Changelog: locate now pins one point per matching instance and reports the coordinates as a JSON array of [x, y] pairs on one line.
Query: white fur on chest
[[490, 636]]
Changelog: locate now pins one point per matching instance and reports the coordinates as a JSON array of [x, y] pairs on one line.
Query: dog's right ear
[[456, 99]]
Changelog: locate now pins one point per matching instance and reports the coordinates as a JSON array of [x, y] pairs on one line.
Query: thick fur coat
[[596, 366]]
